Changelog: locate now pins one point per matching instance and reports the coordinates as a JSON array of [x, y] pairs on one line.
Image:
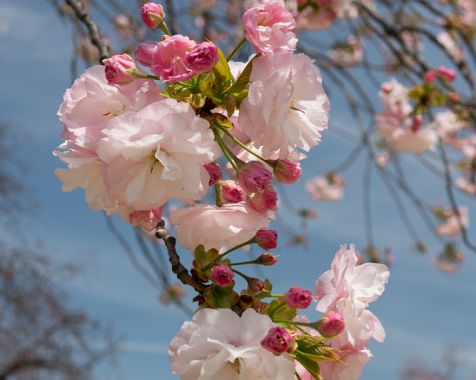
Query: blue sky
[[422, 309]]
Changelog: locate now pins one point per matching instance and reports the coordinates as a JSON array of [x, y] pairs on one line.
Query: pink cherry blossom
[[170, 59], [328, 188], [222, 275], [264, 201], [214, 171], [450, 45], [269, 28], [286, 108], [87, 108], [146, 52], [409, 141], [331, 324], [351, 368], [202, 57], [453, 223], [277, 340], [254, 176], [360, 284], [216, 227], [466, 185], [218, 344], [157, 154], [146, 219]]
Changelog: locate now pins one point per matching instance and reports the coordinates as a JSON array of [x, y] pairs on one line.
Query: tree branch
[[180, 271], [93, 29]]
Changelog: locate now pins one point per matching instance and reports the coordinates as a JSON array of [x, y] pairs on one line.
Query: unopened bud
[[298, 298], [277, 341], [266, 239], [152, 14], [120, 69], [222, 275], [266, 259], [286, 171], [331, 324], [255, 284], [446, 73]]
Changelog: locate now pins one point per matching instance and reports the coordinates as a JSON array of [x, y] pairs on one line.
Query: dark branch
[[93, 29], [177, 267]]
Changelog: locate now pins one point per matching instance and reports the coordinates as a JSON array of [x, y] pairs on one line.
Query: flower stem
[[225, 150], [251, 241], [236, 49], [236, 141]]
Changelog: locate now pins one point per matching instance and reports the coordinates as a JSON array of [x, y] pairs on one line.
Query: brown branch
[[180, 271], [93, 29]]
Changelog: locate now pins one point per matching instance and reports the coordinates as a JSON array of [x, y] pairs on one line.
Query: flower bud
[[254, 176], [298, 298], [266, 259], [263, 200], [152, 14], [266, 239], [120, 69], [446, 73], [222, 275], [277, 341], [429, 76], [331, 324], [255, 284], [231, 191], [416, 123], [287, 171], [146, 52], [214, 172], [202, 58]]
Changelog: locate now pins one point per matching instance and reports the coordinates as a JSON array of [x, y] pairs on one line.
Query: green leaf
[[313, 348], [242, 81], [221, 69], [278, 310], [218, 297], [311, 366]]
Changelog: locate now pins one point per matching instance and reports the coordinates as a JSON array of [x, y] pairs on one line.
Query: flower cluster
[[180, 121]]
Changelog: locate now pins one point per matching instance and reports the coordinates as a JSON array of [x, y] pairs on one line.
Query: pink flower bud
[[222, 275], [202, 58], [214, 172], [120, 69], [416, 123], [255, 284], [152, 14], [446, 73], [266, 259], [287, 171], [146, 219], [266, 239], [429, 76], [453, 95], [263, 200], [331, 324], [254, 176], [146, 52], [231, 191], [277, 341], [298, 298]]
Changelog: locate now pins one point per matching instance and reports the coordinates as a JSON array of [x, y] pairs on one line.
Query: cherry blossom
[[286, 106], [218, 344], [216, 227]]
